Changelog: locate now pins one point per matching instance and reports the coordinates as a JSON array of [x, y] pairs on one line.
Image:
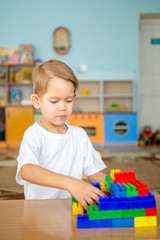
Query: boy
[[53, 155]]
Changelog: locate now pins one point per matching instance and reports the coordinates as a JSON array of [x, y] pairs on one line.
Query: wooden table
[[52, 219]]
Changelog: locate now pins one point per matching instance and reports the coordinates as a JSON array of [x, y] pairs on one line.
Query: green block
[[95, 214], [74, 200], [127, 213], [131, 190], [108, 181]]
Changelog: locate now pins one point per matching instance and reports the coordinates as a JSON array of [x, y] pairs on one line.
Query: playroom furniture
[[99, 96], [120, 127], [15, 90], [18, 119], [52, 219], [103, 93], [92, 123]]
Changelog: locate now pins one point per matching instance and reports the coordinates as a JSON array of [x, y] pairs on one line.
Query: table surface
[[52, 219]]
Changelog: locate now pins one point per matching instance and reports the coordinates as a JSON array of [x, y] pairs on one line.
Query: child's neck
[[53, 128]]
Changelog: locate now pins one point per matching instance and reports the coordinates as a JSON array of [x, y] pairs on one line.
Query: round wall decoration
[[61, 40]]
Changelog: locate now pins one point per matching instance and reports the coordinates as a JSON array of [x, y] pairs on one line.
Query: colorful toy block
[[127, 203], [77, 209], [145, 221]]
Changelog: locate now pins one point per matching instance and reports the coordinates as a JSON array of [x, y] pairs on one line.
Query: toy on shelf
[[16, 96], [26, 53], [127, 203], [26, 75], [20, 75], [2, 74], [9, 55], [17, 54], [84, 92], [116, 108], [3, 99], [146, 137], [156, 139]]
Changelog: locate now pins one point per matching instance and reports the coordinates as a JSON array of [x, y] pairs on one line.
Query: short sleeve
[[93, 162], [28, 153]]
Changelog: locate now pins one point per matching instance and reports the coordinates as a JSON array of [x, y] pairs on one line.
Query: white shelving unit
[[103, 93]]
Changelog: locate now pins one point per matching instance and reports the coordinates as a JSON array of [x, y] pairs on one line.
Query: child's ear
[[35, 101]]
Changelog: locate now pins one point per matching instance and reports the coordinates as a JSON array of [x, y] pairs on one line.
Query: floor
[[145, 161]]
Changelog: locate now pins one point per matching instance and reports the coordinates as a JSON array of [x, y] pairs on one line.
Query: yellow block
[[112, 172], [77, 208], [103, 187], [145, 221]]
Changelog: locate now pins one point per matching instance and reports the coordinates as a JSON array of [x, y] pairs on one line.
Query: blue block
[[117, 190], [84, 222], [97, 185], [145, 201], [111, 122], [115, 203], [123, 222]]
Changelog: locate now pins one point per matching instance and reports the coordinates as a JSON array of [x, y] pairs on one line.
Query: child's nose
[[62, 105]]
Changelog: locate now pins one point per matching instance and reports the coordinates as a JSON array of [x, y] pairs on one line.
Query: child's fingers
[[84, 204], [91, 200], [99, 192]]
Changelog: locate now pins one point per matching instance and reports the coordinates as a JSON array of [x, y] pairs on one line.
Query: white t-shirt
[[70, 154]]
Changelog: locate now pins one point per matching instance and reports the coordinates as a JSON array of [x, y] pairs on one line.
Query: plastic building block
[[117, 190], [145, 221], [74, 200], [124, 222], [150, 212], [97, 185], [133, 213], [145, 201], [94, 213], [108, 181], [77, 209], [130, 177], [131, 190], [104, 187], [114, 203], [112, 173], [84, 222], [127, 203]]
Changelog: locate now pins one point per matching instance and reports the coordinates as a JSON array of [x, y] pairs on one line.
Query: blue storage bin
[[120, 127]]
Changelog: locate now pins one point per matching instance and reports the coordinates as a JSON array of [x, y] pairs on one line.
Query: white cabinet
[[102, 94]]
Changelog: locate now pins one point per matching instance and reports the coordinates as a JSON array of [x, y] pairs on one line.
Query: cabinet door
[[18, 119]]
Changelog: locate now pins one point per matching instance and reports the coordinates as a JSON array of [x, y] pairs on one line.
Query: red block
[[150, 212]]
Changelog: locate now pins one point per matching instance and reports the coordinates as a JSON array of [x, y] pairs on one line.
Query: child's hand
[[85, 193]]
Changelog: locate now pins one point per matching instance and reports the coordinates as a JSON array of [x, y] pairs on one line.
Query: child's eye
[[69, 101], [54, 101]]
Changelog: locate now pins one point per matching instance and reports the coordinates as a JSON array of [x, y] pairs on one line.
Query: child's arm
[[97, 177], [83, 192]]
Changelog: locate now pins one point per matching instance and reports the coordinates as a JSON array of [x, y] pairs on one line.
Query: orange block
[[92, 123]]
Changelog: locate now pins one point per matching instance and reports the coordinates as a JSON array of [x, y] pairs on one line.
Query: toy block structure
[[127, 203]]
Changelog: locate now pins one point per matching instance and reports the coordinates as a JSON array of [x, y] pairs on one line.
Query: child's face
[[57, 103]]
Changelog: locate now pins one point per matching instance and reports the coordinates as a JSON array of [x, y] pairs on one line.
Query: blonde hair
[[50, 69]]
